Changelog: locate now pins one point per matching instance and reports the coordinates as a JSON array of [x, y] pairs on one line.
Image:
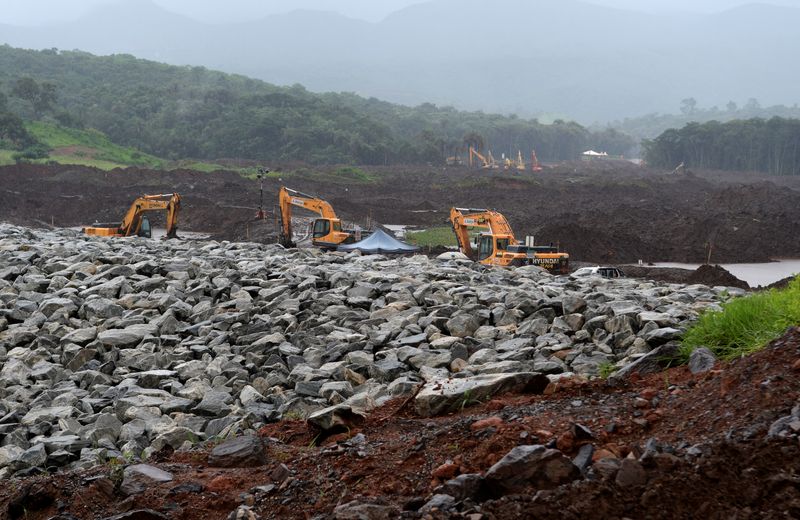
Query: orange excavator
[[136, 223], [497, 244], [327, 230]]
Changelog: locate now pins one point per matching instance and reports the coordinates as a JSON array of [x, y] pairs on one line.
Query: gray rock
[[240, 452], [463, 325], [9, 455], [137, 478], [454, 394], [214, 403], [701, 360], [463, 486], [48, 414], [68, 443], [364, 511], [439, 502], [654, 361], [583, 459], [122, 337], [572, 304], [531, 465], [33, 457], [341, 416], [14, 372], [663, 335]]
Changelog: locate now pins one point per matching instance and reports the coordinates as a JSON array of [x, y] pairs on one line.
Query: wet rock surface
[[115, 348]]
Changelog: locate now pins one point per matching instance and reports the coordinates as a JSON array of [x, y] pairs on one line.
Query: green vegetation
[[605, 369], [769, 146], [55, 143], [433, 237], [651, 125], [746, 324], [90, 147], [191, 112], [353, 174]]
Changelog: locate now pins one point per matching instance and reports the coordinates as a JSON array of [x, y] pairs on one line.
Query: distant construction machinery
[[488, 162]]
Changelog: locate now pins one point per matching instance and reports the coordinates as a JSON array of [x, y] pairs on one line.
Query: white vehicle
[[605, 272]]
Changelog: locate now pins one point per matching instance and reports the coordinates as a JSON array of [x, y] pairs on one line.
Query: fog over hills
[[570, 58]]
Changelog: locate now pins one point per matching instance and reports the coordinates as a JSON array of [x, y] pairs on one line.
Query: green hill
[[87, 147], [191, 112]]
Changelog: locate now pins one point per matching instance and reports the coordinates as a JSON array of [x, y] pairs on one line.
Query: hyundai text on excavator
[[498, 246], [136, 223], [327, 231]]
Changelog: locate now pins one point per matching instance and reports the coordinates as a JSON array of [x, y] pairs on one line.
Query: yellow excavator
[[327, 230], [520, 165], [511, 164], [486, 162], [497, 245], [136, 223]]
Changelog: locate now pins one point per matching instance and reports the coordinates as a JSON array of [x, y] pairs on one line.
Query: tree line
[[769, 146], [191, 112]]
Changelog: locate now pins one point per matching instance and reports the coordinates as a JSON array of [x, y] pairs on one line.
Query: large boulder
[[449, 395], [239, 452], [531, 465]]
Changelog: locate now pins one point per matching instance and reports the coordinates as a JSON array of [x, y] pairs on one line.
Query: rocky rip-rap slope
[[116, 353]]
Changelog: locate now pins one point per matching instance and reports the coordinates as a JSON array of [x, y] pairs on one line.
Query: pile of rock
[[125, 347]]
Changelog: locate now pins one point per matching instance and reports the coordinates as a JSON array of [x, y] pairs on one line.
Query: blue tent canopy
[[379, 242]]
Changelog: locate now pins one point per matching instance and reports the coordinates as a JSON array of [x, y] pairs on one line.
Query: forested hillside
[[191, 112], [651, 125], [770, 146]]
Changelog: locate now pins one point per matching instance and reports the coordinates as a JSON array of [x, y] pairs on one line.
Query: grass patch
[[5, 157], [745, 324], [352, 173], [82, 147], [438, 236], [200, 166], [88, 147], [606, 369]]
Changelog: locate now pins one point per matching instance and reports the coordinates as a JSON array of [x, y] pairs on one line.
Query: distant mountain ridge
[[569, 57]]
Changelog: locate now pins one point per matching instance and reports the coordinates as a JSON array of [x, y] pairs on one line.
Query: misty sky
[[38, 12]]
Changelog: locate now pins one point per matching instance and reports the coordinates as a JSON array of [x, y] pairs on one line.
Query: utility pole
[[260, 215]]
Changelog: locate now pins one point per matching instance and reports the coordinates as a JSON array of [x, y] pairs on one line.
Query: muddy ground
[[396, 458], [612, 212]]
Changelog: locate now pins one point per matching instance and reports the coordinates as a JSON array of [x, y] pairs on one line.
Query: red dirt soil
[[400, 459]]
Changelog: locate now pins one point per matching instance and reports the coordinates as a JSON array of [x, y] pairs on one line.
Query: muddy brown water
[[756, 274]]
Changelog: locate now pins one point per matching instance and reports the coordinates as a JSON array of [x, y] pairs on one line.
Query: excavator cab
[[327, 233], [485, 247], [144, 229], [324, 226], [495, 249]]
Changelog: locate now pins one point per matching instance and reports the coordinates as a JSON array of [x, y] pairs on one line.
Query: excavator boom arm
[[492, 220], [461, 229]]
